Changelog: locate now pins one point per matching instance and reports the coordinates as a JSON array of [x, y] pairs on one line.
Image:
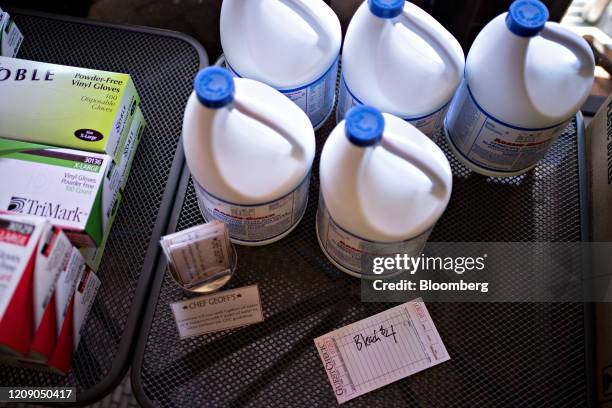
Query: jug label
[[428, 124], [357, 254], [315, 99], [256, 223], [491, 144]]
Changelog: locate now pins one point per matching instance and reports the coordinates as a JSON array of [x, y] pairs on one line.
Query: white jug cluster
[[384, 183]]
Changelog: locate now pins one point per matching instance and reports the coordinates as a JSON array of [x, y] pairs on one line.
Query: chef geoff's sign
[[219, 311]]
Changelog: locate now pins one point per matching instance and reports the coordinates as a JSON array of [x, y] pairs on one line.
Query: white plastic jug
[[524, 80], [250, 151], [399, 59], [384, 185], [291, 45]]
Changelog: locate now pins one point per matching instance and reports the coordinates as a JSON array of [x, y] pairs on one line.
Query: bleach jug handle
[[308, 15], [410, 152], [262, 116], [439, 44], [556, 33]]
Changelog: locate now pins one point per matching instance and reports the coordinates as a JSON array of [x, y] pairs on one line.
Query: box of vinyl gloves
[[63, 106], [77, 191]]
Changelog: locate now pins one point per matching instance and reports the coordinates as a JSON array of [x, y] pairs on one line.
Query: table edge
[[588, 321]]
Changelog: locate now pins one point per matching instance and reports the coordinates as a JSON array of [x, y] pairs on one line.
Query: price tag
[[381, 349]]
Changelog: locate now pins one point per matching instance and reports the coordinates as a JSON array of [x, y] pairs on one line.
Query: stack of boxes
[[68, 137], [46, 293]]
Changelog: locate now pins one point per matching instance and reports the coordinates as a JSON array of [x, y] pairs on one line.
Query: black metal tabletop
[[163, 65], [502, 354]]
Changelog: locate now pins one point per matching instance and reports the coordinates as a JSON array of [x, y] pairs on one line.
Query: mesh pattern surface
[[511, 354], [163, 68]]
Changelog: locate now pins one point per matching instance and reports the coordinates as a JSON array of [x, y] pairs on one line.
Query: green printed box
[[67, 107], [93, 255], [77, 191]]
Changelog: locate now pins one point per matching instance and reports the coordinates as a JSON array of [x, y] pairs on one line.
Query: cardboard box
[[599, 155], [10, 36], [34, 255], [53, 254], [74, 322], [66, 285], [93, 255], [64, 106], [77, 191], [65, 186], [19, 245], [72, 325]]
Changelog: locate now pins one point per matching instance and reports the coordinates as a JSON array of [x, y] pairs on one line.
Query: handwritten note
[[381, 349]]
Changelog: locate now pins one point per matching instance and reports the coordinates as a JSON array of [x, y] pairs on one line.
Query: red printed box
[[33, 253], [46, 293], [74, 322], [19, 244], [39, 272]]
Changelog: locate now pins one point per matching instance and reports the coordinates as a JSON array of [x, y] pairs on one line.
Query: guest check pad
[[381, 349]]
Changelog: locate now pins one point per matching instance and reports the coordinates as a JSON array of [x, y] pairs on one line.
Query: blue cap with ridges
[[214, 87], [364, 126], [526, 18], [386, 8]]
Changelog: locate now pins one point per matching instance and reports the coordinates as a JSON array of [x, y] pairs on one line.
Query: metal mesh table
[[503, 354], [163, 65]]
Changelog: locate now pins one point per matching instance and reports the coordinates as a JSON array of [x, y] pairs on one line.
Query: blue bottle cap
[[386, 8], [526, 18], [364, 126], [214, 87]]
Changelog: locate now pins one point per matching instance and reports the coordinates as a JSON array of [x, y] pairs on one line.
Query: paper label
[[356, 254], [220, 311], [256, 223], [381, 349], [428, 124], [491, 144], [315, 99]]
